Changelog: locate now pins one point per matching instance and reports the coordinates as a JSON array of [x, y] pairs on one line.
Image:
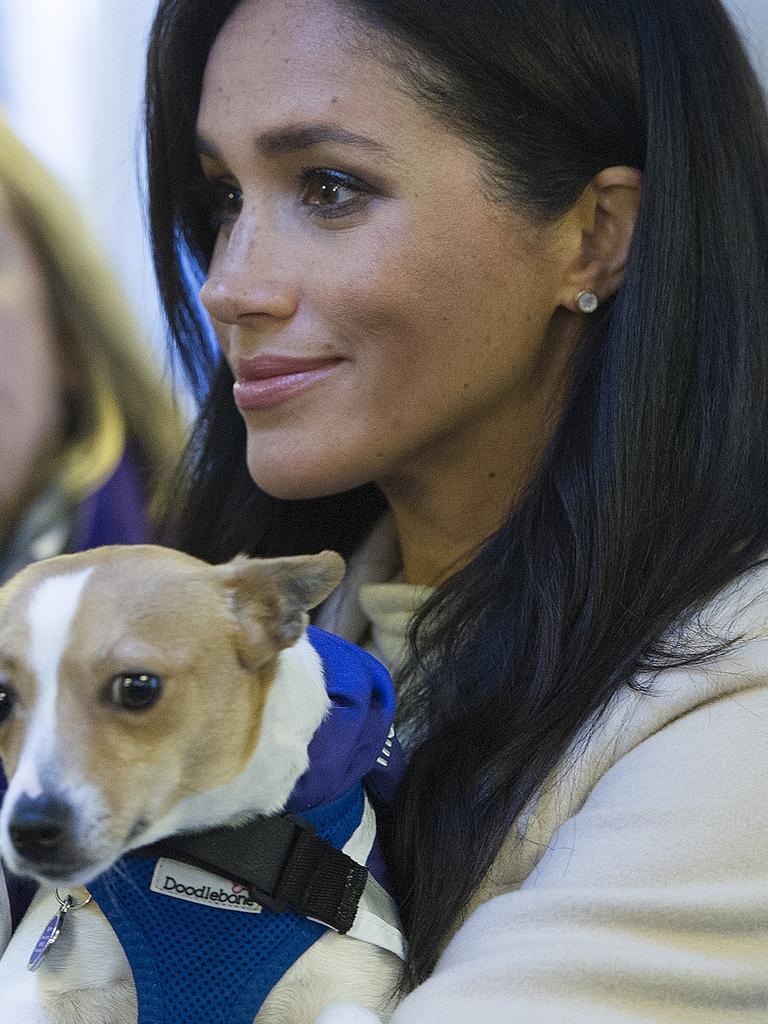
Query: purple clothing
[[114, 514], [356, 740]]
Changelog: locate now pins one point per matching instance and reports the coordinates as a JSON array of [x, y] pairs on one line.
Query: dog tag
[[53, 929], [50, 935]]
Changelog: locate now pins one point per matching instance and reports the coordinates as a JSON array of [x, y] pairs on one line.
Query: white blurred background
[[71, 80]]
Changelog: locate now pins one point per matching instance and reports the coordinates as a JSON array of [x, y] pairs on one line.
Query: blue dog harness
[[212, 954]]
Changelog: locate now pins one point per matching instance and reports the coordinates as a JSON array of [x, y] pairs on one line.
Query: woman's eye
[[7, 701], [325, 192], [221, 200], [134, 691], [332, 193]]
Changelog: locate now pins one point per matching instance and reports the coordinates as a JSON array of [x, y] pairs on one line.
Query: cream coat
[[635, 890]]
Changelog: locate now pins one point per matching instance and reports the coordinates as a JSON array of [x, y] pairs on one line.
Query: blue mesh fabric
[[196, 964]]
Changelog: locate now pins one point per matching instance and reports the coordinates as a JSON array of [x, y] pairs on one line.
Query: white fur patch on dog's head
[[50, 613]]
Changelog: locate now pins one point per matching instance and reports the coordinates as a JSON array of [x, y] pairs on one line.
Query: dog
[[148, 698]]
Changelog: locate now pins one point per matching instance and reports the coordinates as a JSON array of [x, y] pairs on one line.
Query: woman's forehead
[[275, 64]]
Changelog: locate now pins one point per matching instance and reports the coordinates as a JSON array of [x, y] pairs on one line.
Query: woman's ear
[[603, 220]]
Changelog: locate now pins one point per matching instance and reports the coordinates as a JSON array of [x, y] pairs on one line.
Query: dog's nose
[[39, 826]]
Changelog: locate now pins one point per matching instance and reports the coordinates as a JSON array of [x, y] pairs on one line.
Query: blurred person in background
[[88, 434]]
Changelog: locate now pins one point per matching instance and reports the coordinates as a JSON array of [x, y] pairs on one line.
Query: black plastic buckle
[[272, 900]]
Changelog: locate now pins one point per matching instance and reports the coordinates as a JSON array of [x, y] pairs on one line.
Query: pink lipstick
[[265, 381]]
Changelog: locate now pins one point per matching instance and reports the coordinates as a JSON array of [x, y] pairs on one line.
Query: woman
[[489, 284], [88, 434]]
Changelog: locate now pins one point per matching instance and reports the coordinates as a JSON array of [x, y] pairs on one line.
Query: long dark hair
[[653, 491]]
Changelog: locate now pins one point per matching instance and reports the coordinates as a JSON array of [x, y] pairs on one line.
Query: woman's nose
[[245, 281]]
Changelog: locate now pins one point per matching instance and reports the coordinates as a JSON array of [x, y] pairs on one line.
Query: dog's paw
[[346, 1013]]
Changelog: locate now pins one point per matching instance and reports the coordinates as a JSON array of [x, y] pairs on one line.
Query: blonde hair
[[122, 395]]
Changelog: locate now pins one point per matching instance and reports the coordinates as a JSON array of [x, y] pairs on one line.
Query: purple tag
[[48, 938]]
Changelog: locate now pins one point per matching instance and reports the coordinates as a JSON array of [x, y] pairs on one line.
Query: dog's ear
[[271, 598]]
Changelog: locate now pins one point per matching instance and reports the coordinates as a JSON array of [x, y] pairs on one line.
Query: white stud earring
[[587, 302]]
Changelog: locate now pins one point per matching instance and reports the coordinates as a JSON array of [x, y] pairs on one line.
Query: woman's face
[[30, 374], [381, 316]]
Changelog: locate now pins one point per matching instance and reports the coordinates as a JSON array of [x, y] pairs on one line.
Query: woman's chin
[[290, 483]]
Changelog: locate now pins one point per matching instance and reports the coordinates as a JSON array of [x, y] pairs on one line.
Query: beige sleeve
[[650, 905]]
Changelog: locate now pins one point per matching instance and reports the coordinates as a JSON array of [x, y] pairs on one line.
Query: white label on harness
[[184, 882]]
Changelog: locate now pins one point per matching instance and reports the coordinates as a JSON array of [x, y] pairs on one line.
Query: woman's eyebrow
[[277, 141]]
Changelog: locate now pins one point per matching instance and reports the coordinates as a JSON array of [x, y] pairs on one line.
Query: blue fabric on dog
[[354, 740], [196, 964]]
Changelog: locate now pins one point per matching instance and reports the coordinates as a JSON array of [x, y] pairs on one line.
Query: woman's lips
[[265, 381]]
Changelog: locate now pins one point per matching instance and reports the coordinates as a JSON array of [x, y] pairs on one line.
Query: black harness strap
[[283, 863]]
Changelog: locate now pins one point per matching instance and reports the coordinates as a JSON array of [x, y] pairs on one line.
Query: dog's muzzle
[[41, 833]]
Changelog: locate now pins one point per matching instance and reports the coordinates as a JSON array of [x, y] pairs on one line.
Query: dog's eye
[[135, 691], [7, 700]]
